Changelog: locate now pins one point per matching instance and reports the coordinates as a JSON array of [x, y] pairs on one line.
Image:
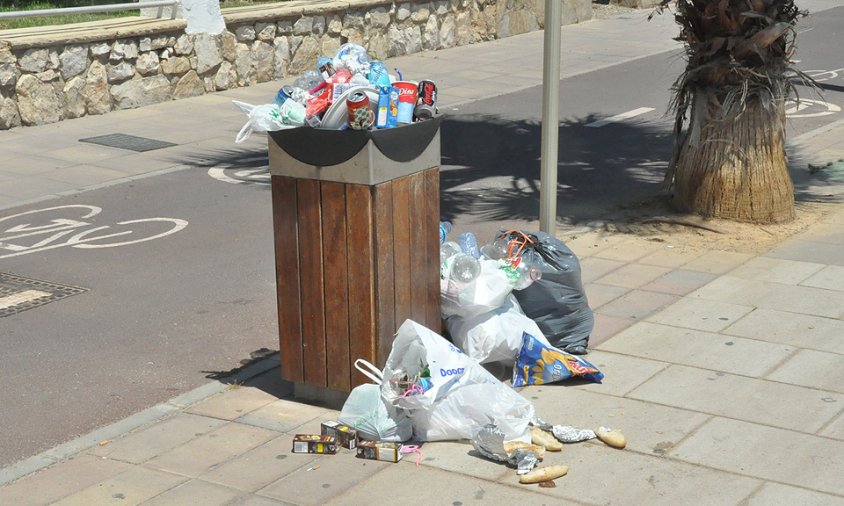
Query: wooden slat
[[361, 261], [311, 282], [287, 277], [385, 316], [334, 259], [401, 248], [418, 247], [433, 319]]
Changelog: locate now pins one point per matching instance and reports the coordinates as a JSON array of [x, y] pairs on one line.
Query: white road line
[[621, 117], [21, 297]]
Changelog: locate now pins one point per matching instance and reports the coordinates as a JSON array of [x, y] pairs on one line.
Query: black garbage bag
[[557, 301]]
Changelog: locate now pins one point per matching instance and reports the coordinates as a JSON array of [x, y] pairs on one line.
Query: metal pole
[[550, 117]]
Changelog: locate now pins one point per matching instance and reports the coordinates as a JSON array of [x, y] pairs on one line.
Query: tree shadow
[[607, 175]]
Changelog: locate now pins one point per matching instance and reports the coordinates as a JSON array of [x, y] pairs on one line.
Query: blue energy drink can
[[388, 107], [284, 93]]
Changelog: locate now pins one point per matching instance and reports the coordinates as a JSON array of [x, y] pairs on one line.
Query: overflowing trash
[[348, 91], [433, 389]]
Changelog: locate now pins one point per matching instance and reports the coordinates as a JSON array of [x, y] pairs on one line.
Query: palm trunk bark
[[735, 170]]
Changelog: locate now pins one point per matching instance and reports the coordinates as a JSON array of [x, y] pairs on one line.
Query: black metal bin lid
[[323, 148]]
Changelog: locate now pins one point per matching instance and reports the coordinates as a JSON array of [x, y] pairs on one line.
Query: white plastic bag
[[462, 395], [486, 293], [495, 336], [366, 411], [262, 118]]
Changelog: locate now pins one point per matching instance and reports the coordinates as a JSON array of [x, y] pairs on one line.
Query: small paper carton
[[346, 436], [309, 443], [376, 450]]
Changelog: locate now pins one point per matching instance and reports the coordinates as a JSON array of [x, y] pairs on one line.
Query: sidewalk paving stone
[[158, 438], [803, 331], [334, 476], [435, 487], [602, 475], [815, 369], [809, 251], [260, 466], [835, 429], [830, 277], [776, 494], [133, 486], [592, 268], [201, 454], [458, 457], [607, 326], [750, 399], [796, 299], [776, 270], [196, 492], [233, 403], [633, 275], [60, 480], [717, 262], [282, 415], [679, 282], [699, 349], [649, 428], [624, 373], [765, 452], [254, 500], [707, 315], [638, 304], [599, 294]]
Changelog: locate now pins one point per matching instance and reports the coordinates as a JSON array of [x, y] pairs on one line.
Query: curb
[[146, 417]]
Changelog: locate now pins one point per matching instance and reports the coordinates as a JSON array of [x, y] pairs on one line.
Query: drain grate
[[130, 142], [19, 294]]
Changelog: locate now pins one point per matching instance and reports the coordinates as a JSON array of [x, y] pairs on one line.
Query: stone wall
[[44, 79]]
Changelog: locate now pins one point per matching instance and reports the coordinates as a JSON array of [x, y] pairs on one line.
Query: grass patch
[[10, 24]]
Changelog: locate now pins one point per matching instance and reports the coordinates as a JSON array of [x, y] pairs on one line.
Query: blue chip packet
[[538, 364]]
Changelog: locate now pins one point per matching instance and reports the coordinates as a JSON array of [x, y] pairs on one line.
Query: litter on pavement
[[435, 389]]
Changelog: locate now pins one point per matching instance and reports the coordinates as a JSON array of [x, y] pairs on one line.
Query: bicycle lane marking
[[17, 239]]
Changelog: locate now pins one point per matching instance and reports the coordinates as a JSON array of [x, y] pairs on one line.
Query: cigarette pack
[[346, 436], [376, 450], [309, 443]]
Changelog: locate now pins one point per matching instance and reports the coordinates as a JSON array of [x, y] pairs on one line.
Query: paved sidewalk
[[724, 370]]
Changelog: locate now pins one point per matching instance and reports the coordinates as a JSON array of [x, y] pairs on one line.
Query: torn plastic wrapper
[[566, 433], [489, 442]]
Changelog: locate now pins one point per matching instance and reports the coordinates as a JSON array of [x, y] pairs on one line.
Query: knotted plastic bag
[[453, 394]]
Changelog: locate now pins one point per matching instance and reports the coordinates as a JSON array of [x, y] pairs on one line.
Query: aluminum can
[[428, 93], [360, 116], [284, 93], [423, 112]]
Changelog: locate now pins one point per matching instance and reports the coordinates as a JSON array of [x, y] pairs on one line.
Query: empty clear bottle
[[465, 268], [469, 244]]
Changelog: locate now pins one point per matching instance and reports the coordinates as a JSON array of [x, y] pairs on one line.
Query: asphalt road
[[160, 317]]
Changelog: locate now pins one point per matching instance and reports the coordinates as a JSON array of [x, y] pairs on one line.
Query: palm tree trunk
[[736, 169]]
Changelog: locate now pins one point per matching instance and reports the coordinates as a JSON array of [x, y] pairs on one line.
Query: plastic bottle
[[469, 244], [445, 228], [448, 249], [465, 268]]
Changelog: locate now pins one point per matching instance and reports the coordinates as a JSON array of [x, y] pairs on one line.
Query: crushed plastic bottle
[[308, 80], [469, 244]]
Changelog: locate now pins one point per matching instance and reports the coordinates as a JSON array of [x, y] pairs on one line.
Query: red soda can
[[360, 115], [428, 93]]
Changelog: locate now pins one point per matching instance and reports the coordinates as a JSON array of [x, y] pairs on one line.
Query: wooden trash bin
[[356, 225]]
